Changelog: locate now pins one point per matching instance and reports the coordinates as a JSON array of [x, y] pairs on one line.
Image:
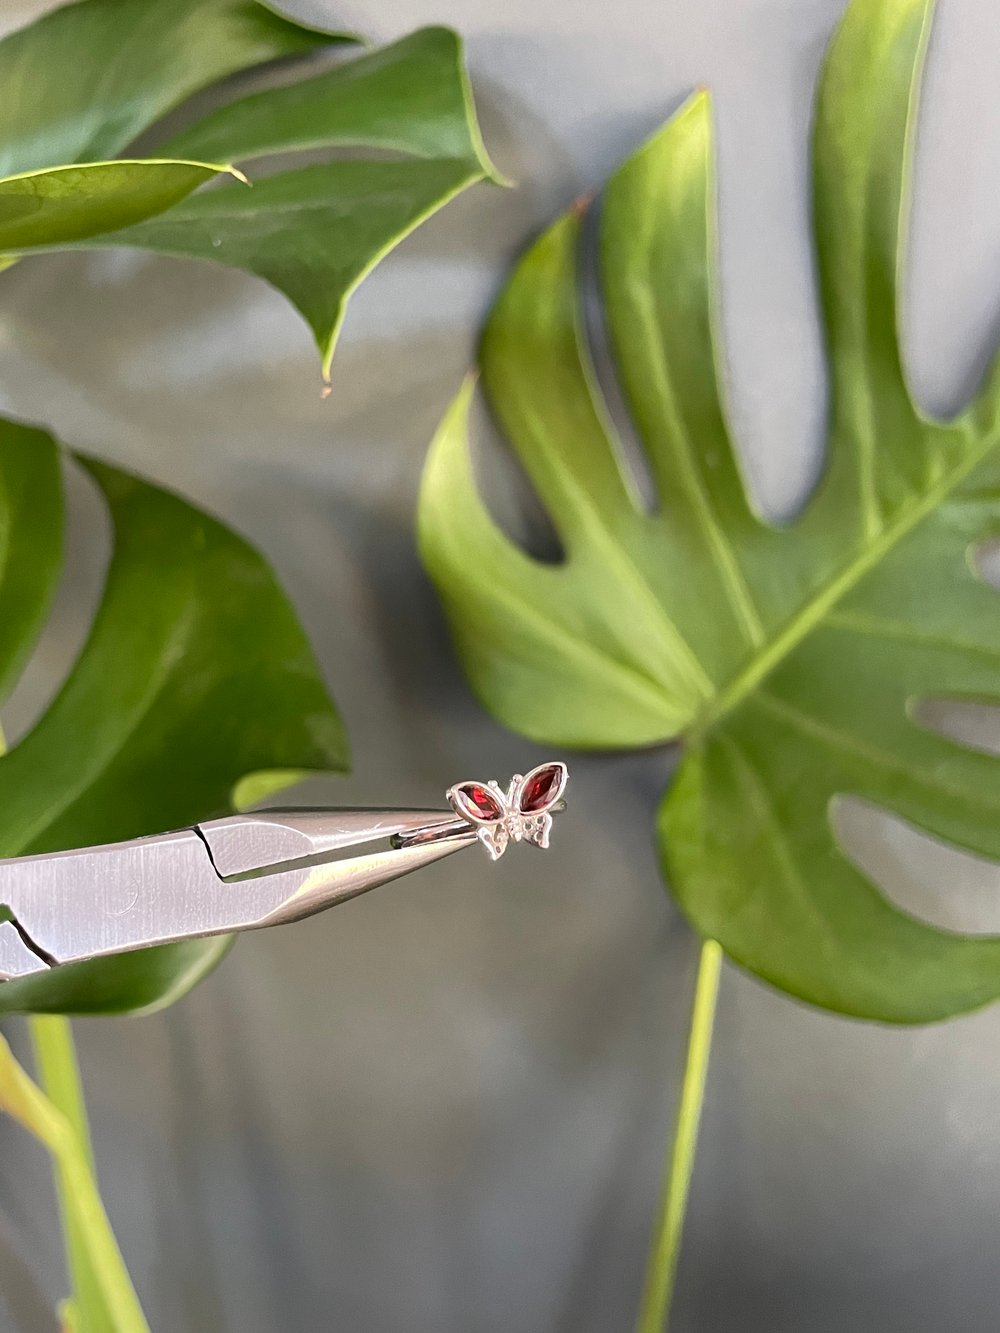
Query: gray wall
[[443, 1109]]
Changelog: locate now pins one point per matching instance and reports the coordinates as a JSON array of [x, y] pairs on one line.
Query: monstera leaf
[[69, 204], [84, 81], [792, 662], [195, 674]]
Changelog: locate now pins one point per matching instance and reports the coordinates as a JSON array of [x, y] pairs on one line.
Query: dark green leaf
[[411, 97], [138, 983], [82, 82], [31, 524], [195, 674], [315, 232], [791, 661]]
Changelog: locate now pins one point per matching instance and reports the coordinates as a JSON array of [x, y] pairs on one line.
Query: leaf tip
[[698, 105], [461, 404]]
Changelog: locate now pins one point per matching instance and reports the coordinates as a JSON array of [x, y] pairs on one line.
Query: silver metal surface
[[232, 874], [239, 873]]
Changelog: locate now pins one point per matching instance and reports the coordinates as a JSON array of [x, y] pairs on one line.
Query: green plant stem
[[59, 1077], [661, 1267], [118, 1310]]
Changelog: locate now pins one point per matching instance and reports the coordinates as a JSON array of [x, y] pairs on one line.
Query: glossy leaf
[[195, 674], [791, 661], [83, 81], [316, 232], [313, 232], [63, 205], [411, 97]]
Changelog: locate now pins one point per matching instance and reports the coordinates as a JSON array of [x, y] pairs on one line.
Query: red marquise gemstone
[[480, 800], [541, 788]]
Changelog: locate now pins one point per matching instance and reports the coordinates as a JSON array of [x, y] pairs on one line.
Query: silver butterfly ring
[[522, 813]]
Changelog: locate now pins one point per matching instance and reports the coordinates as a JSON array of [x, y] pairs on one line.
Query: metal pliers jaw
[[239, 873]]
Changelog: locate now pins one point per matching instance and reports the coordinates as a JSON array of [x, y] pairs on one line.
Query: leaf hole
[[87, 538], [949, 312], [974, 723], [507, 491], [984, 561], [938, 884], [633, 461]]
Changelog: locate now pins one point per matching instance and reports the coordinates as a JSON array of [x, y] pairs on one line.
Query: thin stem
[[104, 1300], [59, 1073], [59, 1077], [661, 1266], [117, 1309]]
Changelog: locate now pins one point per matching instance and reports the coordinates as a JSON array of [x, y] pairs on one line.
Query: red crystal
[[478, 802], [541, 788]]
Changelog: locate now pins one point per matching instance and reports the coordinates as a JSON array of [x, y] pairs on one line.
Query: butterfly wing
[[494, 838], [523, 812], [485, 806], [533, 798], [477, 802], [538, 791], [536, 829]]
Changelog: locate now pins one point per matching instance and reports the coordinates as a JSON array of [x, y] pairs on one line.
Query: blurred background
[[443, 1109]]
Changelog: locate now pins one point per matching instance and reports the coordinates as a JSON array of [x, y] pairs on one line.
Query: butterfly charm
[[522, 813]]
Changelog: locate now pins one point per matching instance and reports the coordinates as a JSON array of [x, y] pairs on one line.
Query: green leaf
[[175, 698], [313, 232], [792, 661], [411, 97], [82, 82], [62, 205], [141, 982], [31, 524]]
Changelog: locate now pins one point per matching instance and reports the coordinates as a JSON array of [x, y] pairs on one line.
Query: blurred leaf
[[314, 232], [792, 661], [141, 982], [66, 204], [411, 97], [83, 81], [31, 532], [195, 674], [119, 1310]]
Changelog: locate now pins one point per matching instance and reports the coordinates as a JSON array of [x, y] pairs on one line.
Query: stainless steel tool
[[246, 871]]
